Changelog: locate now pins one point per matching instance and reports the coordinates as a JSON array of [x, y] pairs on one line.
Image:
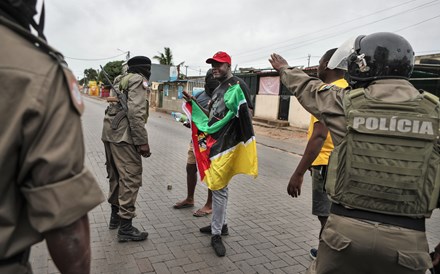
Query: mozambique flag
[[225, 147]]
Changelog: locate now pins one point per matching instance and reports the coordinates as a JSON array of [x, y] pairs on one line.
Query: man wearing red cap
[[221, 70]]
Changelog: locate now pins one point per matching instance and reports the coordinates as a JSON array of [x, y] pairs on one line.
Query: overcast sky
[[249, 30]]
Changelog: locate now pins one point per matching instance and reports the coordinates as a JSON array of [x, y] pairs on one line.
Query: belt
[[21, 258], [400, 221]]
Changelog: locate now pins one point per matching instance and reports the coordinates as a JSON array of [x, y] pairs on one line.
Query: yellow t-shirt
[[324, 154]]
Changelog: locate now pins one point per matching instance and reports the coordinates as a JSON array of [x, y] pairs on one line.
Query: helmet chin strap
[[40, 26], [355, 83]]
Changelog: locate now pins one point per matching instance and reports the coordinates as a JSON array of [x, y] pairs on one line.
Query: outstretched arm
[[312, 150], [69, 247]]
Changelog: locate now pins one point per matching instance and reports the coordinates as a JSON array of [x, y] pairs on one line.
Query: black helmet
[[380, 55]]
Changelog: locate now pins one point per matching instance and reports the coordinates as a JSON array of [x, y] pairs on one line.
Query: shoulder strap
[[351, 99], [123, 85], [356, 93], [431, 97]]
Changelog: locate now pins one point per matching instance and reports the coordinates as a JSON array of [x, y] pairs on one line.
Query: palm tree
[[165, 58]]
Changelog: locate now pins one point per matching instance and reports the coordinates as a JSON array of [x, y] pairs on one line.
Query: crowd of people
[[373, 152]]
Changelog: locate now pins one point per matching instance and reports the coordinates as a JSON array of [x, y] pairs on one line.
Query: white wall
[[266, 106], [298, 116]]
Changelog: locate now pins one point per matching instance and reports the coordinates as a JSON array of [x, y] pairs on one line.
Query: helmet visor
[[339, 58]]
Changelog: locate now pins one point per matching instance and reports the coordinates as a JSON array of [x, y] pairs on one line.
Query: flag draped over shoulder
[[226, 147]]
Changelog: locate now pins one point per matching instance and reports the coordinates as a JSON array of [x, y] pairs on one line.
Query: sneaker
[[217, 244], [313, 253], [207, 230]]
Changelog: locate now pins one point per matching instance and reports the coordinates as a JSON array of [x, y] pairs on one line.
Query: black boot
[[115, 220], [127, 232]]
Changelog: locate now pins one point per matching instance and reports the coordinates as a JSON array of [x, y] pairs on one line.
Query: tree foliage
[[90, 74], [165, 58], [113, 69]]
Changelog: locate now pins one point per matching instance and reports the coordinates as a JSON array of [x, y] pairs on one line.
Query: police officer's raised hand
[[294, 186], [277, 61], [144, 150]]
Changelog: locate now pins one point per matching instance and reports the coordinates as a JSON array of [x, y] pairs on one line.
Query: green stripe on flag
[[233, 97]]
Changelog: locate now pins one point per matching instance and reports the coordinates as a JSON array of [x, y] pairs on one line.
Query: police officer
[[45, 190], [126, 140], [383, 173]]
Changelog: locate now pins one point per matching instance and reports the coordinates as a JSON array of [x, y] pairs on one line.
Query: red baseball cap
[[221, 57]]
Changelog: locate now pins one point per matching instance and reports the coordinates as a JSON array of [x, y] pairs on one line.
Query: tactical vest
[[389, 160]]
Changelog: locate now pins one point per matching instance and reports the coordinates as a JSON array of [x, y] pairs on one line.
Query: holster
[[117, 119]]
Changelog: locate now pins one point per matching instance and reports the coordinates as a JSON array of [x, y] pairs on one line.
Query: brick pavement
[[269, 231]]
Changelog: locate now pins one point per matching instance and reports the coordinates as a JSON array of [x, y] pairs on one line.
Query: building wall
[[298, 116], [171, 102], [266, 106], [428, 59], [159, 73]]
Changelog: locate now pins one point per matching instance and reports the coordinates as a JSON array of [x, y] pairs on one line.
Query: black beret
[[138, 61]]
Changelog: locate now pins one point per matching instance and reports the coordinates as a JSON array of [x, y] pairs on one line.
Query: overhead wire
[[94, 59], [416, 24], [333, 34], [323, 29]]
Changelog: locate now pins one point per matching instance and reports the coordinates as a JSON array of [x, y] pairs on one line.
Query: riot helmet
[[381, 55], [339, 57]]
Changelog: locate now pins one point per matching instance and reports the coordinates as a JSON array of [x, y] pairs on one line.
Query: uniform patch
[[145, 84], [326, 87], [75, 95]]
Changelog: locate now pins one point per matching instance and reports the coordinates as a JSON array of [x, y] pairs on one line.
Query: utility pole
[[126, 56], [186, 72], [308, 60]]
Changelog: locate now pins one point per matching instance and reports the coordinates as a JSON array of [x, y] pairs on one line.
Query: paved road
[[269, 231]]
